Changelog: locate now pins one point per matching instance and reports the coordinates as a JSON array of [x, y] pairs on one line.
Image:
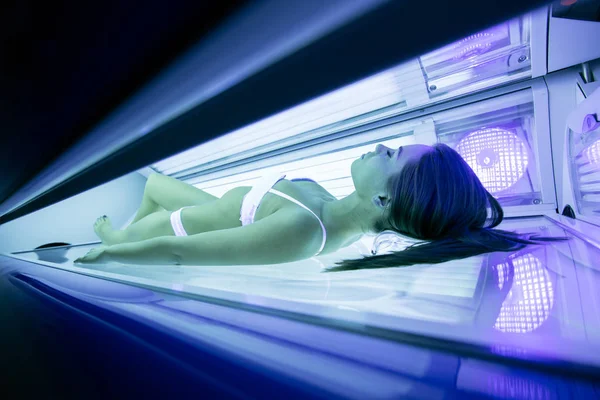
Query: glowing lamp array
[[497, 156], [530, 298]]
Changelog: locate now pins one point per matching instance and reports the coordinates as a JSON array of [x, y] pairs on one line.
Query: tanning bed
[[495, 325]]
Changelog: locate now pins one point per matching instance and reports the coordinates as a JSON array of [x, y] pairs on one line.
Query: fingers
[[88, 257]]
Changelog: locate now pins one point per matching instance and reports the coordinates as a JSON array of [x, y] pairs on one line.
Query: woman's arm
[[155, 251], [151, 251], [282, 237]]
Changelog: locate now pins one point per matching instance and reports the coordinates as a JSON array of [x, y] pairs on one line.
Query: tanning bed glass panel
[[497, 54], [444, 293], [501, 303]]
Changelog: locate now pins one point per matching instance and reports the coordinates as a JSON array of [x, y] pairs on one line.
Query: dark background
[[64, 65]]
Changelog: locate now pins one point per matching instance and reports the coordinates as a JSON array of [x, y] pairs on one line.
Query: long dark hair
[[440, 200]]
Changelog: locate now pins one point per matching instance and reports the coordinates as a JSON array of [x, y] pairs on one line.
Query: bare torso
[[224, 213]]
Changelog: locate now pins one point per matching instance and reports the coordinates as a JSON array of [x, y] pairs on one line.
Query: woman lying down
[[427, 193]]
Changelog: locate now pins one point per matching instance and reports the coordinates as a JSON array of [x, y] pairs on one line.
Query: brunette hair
[[441, 201]]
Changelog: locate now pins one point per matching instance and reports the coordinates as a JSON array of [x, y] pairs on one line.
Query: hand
[[94, 256]]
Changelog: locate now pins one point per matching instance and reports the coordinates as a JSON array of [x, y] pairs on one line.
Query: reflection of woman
[[426, 193]]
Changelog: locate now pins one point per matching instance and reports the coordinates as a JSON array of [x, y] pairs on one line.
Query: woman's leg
[[147, 207], [162, 196], [151, 226], [166, 193]]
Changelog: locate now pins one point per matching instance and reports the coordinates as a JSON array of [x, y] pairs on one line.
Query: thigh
[[172, 194], [223, 213]]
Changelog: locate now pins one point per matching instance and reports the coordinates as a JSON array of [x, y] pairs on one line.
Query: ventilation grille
[[585, 167]]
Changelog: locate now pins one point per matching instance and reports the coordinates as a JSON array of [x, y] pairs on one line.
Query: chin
[[352, 172]]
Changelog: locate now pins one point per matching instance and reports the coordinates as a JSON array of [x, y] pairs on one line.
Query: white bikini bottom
[[177, 224]]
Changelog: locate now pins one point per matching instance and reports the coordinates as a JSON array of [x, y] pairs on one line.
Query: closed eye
[[399, 152]]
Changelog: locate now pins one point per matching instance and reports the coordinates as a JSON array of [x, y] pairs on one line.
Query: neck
[[345, 219]]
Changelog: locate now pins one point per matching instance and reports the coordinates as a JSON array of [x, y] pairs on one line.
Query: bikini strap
[[285, 196]]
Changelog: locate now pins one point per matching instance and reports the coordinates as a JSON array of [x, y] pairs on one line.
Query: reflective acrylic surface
[[540, 303]]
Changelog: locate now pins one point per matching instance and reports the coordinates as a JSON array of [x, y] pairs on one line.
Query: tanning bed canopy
[[390, 93], [331, 46]]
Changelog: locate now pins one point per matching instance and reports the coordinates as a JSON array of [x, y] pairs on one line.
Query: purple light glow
[[506, 386], [473, 45], [592, 153], [530, 298], [497, 156], [587, 165], [478, 43]]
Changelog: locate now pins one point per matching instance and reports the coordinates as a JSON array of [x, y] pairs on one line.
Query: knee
[[151, 182]]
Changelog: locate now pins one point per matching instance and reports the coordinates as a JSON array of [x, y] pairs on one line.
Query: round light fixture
[[498, 157]]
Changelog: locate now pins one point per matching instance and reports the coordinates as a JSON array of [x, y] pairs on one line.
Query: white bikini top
[[253, 198]]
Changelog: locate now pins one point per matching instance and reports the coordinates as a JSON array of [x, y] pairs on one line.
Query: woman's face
[[372, 171]]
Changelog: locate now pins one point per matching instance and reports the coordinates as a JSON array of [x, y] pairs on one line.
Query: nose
[[380, 148]]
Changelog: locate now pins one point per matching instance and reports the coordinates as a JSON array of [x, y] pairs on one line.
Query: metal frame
[[539, 41], [576, 228], [543, 142]]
